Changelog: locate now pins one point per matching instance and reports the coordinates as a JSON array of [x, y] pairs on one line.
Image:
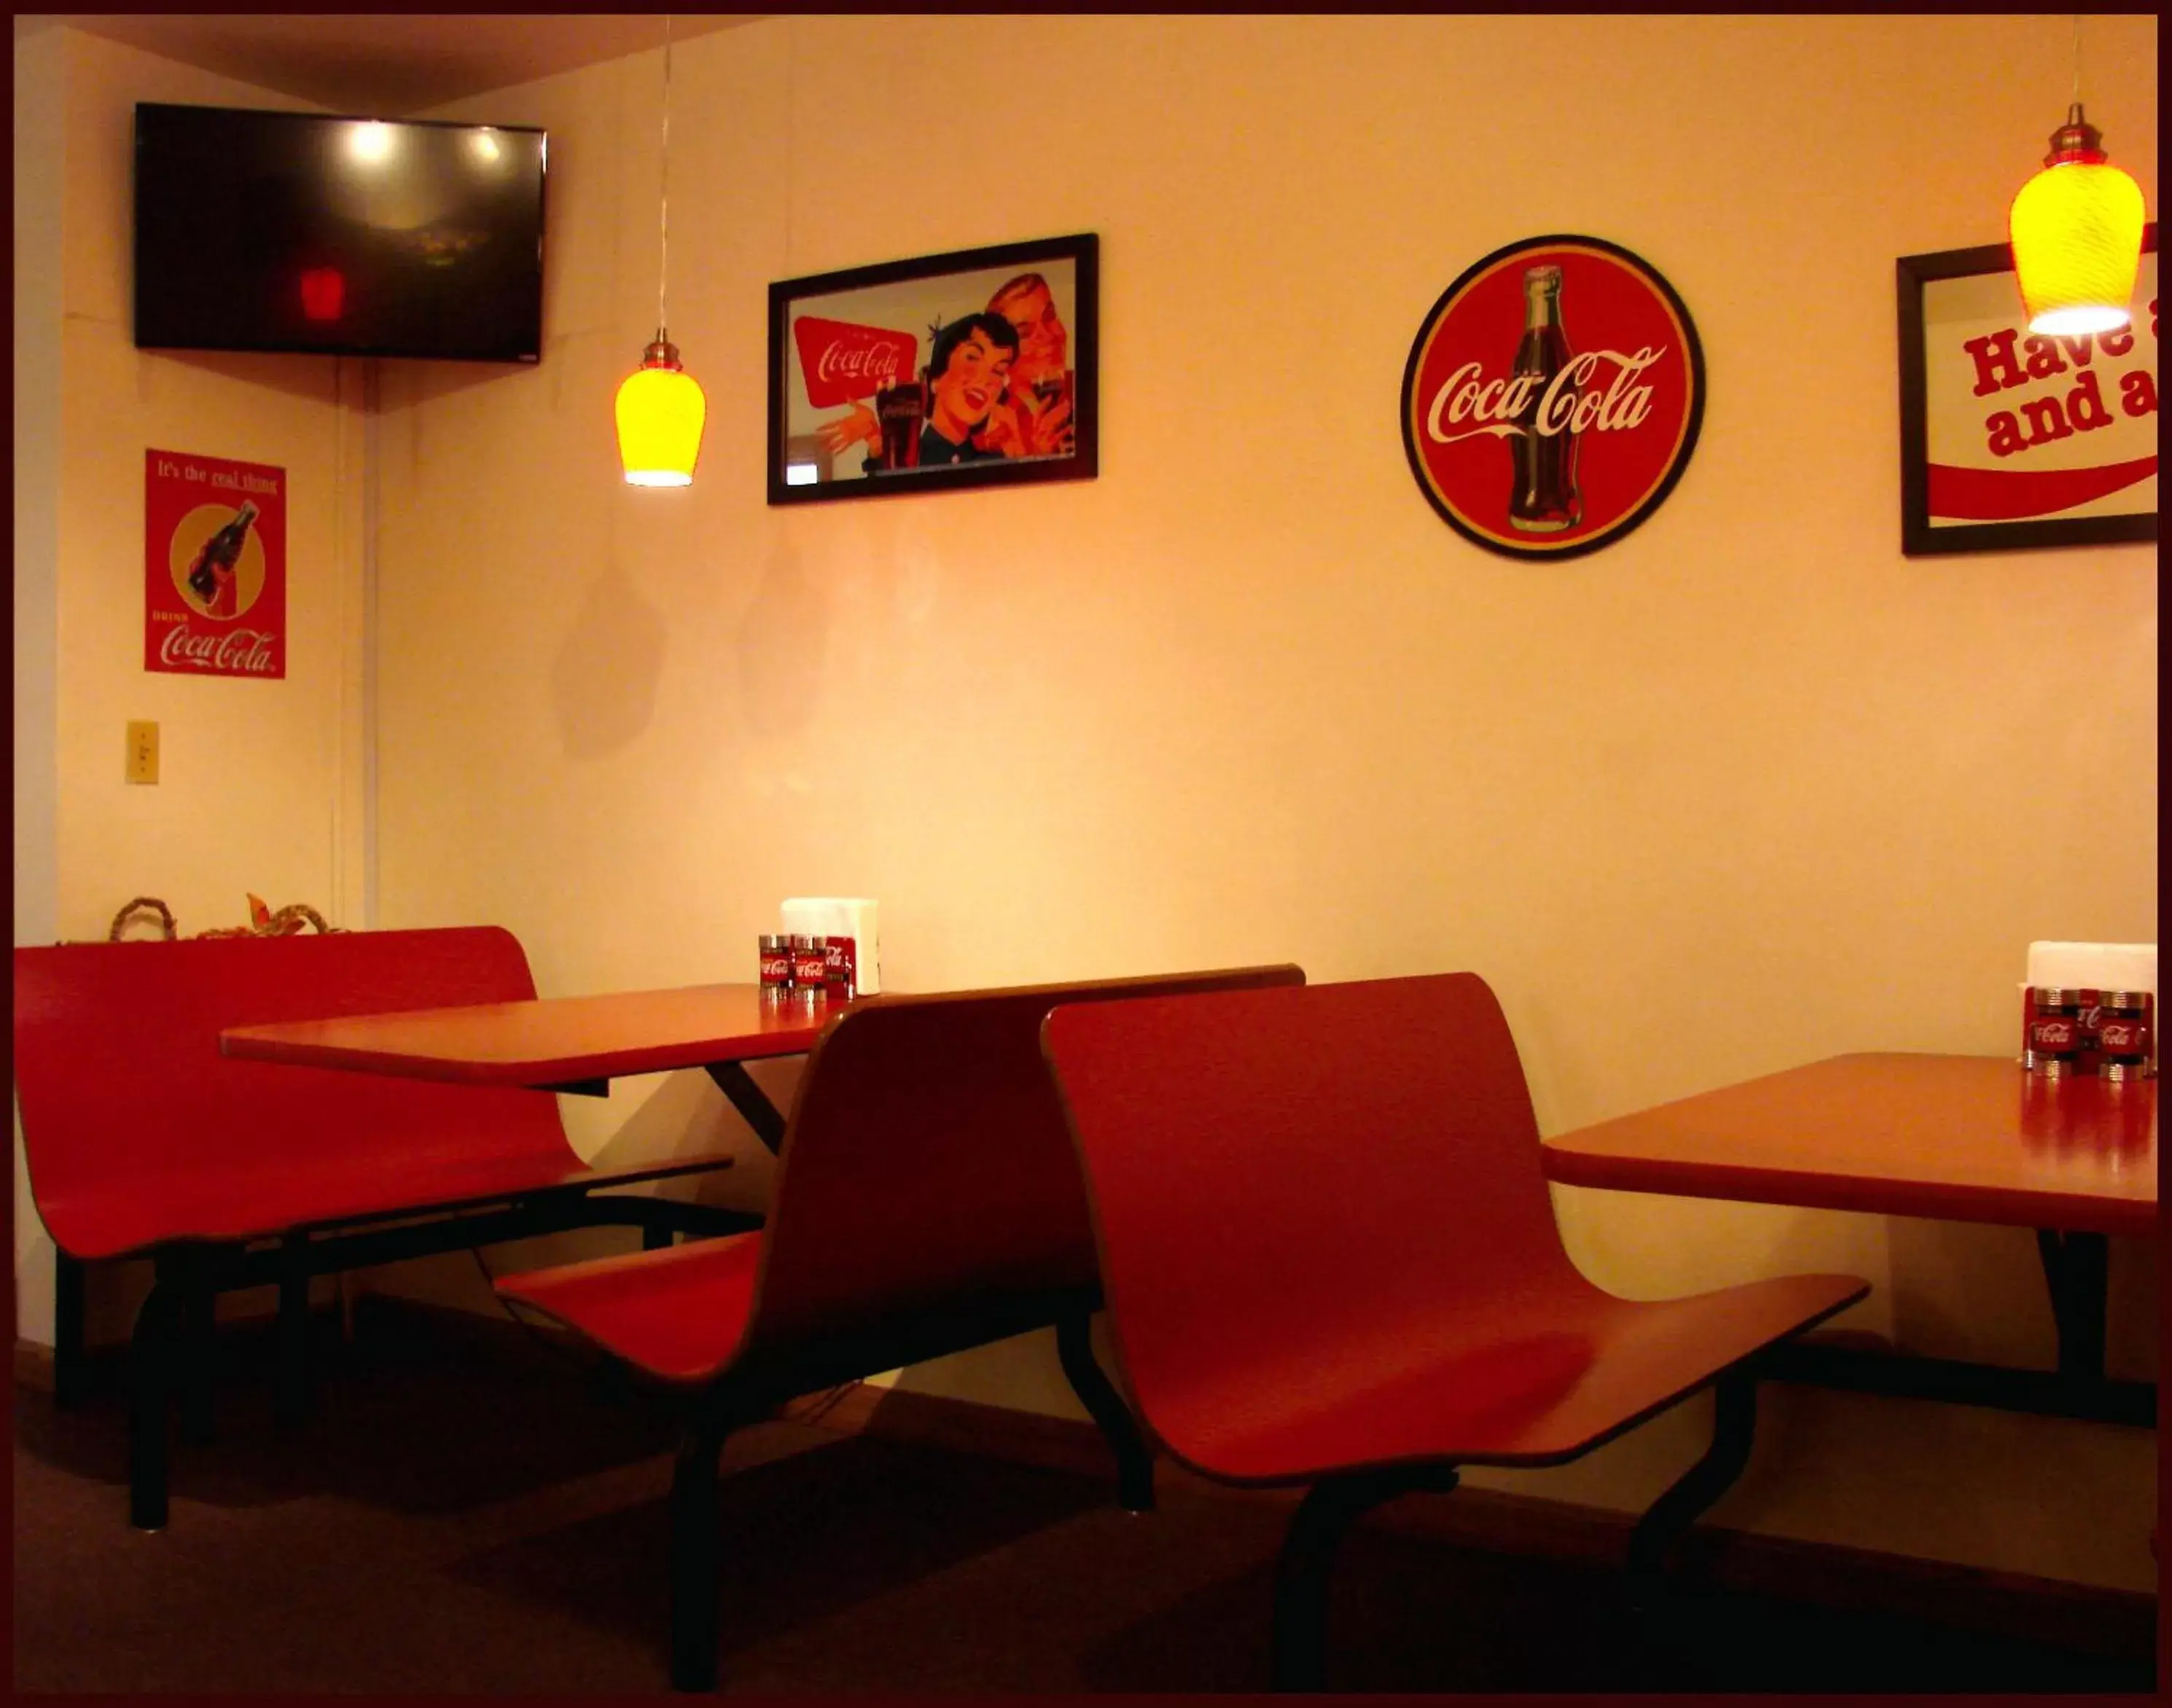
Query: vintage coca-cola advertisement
[[958, 369], [1552, 397], [214, 566], [2014, 438]]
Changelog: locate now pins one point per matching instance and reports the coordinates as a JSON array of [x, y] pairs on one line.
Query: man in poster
[[1036, 420]]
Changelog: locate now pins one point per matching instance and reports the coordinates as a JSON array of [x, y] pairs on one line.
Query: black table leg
[[1735, 1425], [2076, 1269], [293, 1386], [755, 1109], [150, 1389]]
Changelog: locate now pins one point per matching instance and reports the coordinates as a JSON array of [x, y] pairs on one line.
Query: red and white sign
[[844, 363], [2021, 426], [214, 566], [1552, 397]]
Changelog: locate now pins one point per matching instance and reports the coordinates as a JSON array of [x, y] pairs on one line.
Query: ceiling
[[387, 65]]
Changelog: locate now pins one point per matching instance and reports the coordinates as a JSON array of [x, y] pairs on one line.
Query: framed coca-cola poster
[[214, 566], [2010, 438], [1552, 397], [978, 367]]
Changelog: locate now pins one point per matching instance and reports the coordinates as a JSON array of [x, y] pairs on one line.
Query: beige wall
[[260, 782], [250, 795], [1746, 789], [39, 94]]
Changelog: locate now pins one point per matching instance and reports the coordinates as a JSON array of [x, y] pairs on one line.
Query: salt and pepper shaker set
[[806, 968], [2111, 1034]]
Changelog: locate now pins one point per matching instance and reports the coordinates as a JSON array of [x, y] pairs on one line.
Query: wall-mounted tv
[[341, 236]]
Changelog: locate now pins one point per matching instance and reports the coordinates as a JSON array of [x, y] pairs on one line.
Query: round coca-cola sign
[[1552, 397]]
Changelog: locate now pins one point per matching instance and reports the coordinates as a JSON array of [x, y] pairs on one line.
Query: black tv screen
[[342, 236]]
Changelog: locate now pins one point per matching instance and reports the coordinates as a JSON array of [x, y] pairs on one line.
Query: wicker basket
[[288, 921]]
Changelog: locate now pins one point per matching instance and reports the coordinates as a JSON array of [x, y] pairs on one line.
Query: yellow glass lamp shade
[[660, 412], [2077, 232]]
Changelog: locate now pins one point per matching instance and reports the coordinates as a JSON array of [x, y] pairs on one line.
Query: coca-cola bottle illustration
[[1546, 498], [211, 576]]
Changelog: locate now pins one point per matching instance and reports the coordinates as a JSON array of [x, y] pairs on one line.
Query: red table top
[[553, 1041], [1959, 1138]]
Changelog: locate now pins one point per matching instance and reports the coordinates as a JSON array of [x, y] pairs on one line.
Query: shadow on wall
[[604, 679], [1962, 1289], [314, 381], [783, 649]]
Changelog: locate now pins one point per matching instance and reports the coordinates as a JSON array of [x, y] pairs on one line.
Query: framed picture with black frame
[[979, 368], [2012, 439]]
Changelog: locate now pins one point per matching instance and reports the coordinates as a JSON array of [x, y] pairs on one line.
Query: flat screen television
[[341, 236]]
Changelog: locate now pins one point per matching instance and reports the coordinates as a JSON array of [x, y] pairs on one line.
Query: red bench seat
[[143, 1140], [926, 1200], [1330, 1258], [679, 1315]]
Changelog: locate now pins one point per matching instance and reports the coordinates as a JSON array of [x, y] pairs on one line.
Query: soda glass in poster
[[2010, 438], [977, 367]]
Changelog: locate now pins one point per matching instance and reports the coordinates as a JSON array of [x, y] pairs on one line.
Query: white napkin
[[2093, 966]]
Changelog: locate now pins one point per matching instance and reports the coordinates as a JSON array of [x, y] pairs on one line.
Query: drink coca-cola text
[[247, 651]]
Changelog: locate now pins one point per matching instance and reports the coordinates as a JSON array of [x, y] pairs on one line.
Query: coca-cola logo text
[[1515, 403], [843, 363], [1552, 397], [2052, 1034], [236, 652]]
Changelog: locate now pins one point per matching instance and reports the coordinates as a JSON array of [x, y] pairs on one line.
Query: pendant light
[[2076, 230], [660, 408]]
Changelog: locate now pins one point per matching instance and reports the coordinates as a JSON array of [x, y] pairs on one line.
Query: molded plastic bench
[[926, 1200], [144, 1141], [1330, 1258]]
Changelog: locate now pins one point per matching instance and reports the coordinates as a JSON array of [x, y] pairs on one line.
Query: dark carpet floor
[[454, 1522]]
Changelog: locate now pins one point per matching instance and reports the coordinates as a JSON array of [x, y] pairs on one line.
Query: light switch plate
[[143, 753]]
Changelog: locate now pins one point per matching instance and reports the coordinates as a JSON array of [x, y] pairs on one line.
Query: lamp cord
[[2078, 59], [663, 191]]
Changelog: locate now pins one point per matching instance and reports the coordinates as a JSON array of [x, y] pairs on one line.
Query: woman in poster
[[1030, 417], [969, 372]]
